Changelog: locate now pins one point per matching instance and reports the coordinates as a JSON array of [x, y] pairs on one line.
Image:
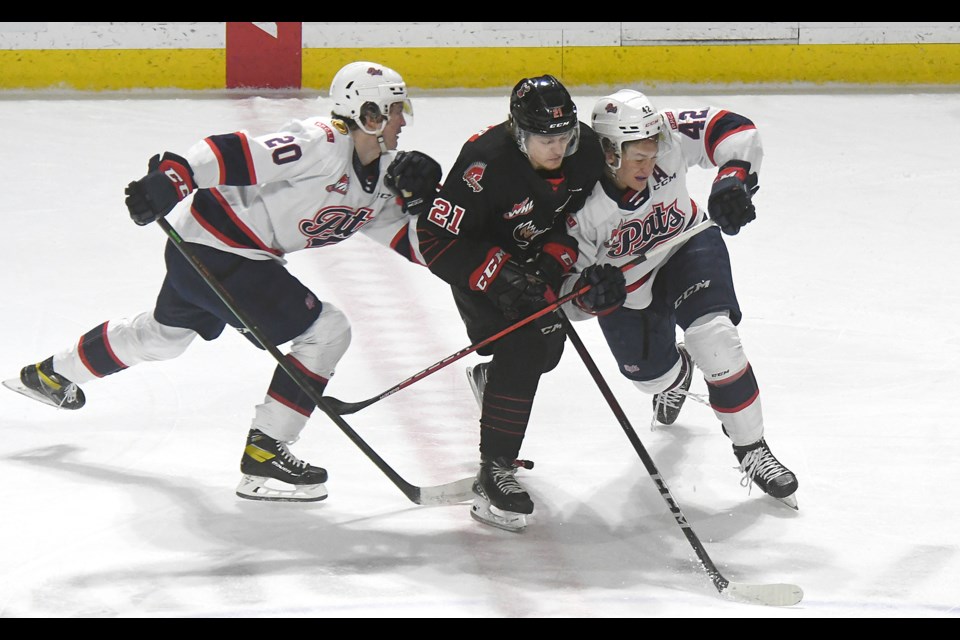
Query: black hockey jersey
[[494, 206]]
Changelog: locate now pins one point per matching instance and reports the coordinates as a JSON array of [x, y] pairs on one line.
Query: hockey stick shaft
[[766, 594], [443, 494], [719, 581], [345, 408]]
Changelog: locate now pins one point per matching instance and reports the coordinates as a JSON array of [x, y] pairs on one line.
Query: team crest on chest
[[525, 233], [473, 175], [635, 236], [341, 185]]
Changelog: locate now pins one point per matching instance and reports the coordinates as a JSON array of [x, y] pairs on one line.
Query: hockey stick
[[779, 595], [450, 493], [345, 408]]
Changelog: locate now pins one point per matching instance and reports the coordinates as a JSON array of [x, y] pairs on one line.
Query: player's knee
[[330, 333], [714, 344], [159, 341]]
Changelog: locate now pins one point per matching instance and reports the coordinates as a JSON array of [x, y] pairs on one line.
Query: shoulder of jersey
[[489, 140], [330, 129]]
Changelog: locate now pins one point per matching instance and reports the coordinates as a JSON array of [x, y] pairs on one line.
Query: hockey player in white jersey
[[243, 202], [641, 201]]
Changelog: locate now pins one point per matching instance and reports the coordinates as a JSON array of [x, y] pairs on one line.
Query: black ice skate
[[477, 376], [266, 460], [667, 404], [758, 464], [501, 501], [40, 382]]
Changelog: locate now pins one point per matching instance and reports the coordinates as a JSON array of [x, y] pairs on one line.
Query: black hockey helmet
[[542, 106]]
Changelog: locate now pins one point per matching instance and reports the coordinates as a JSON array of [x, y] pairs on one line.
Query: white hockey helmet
[[368, 89], [625, 116]]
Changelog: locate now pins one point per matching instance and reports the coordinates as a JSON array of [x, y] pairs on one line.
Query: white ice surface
[[848, 285]]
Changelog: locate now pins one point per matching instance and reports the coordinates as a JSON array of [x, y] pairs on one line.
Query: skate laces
[[505, 479], [759, 463], [70, 393], [287, 455], [672, 399]]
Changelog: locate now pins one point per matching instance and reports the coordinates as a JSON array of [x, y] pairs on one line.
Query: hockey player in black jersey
[[496, 233]]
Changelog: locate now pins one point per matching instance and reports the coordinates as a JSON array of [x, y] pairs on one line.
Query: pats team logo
[[634, 237], [473, 175], [341, 185], [611, 108], [331, 225], [373, 71]]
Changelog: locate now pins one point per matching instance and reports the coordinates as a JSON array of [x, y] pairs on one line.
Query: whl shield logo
[[341, 185], [521, 209]]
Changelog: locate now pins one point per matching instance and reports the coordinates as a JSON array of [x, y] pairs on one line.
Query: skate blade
[[255, 488], [483, 512], [15, 384]]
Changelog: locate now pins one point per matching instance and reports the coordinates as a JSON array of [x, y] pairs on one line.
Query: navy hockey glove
[[730, 203], [608, 289], [168, 181], [415, 176], [515, 291]]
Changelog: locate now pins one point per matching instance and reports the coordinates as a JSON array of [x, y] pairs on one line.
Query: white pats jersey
[[614, 227], [299, 188]]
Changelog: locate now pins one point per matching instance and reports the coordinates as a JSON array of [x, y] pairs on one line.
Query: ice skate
[[667, 404], [477, 376], [40, 382], [758, 464], [271, 472], [501, 501]]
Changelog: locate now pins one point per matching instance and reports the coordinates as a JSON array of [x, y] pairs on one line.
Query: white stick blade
[[773, 595], [450, 493]]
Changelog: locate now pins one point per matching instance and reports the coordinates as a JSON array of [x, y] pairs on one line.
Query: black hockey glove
[[414, 176], [168, 181], [730, 203], [516, 292], [554, 262], [608, 289]]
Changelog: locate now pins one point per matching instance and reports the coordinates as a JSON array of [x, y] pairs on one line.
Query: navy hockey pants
[[696, 280], [279, 304]]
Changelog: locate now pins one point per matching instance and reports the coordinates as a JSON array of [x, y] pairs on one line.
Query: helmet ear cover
[[542, 106]]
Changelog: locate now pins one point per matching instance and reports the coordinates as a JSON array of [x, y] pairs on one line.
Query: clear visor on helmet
[[373, 112], [635, 152], [568, 140]]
